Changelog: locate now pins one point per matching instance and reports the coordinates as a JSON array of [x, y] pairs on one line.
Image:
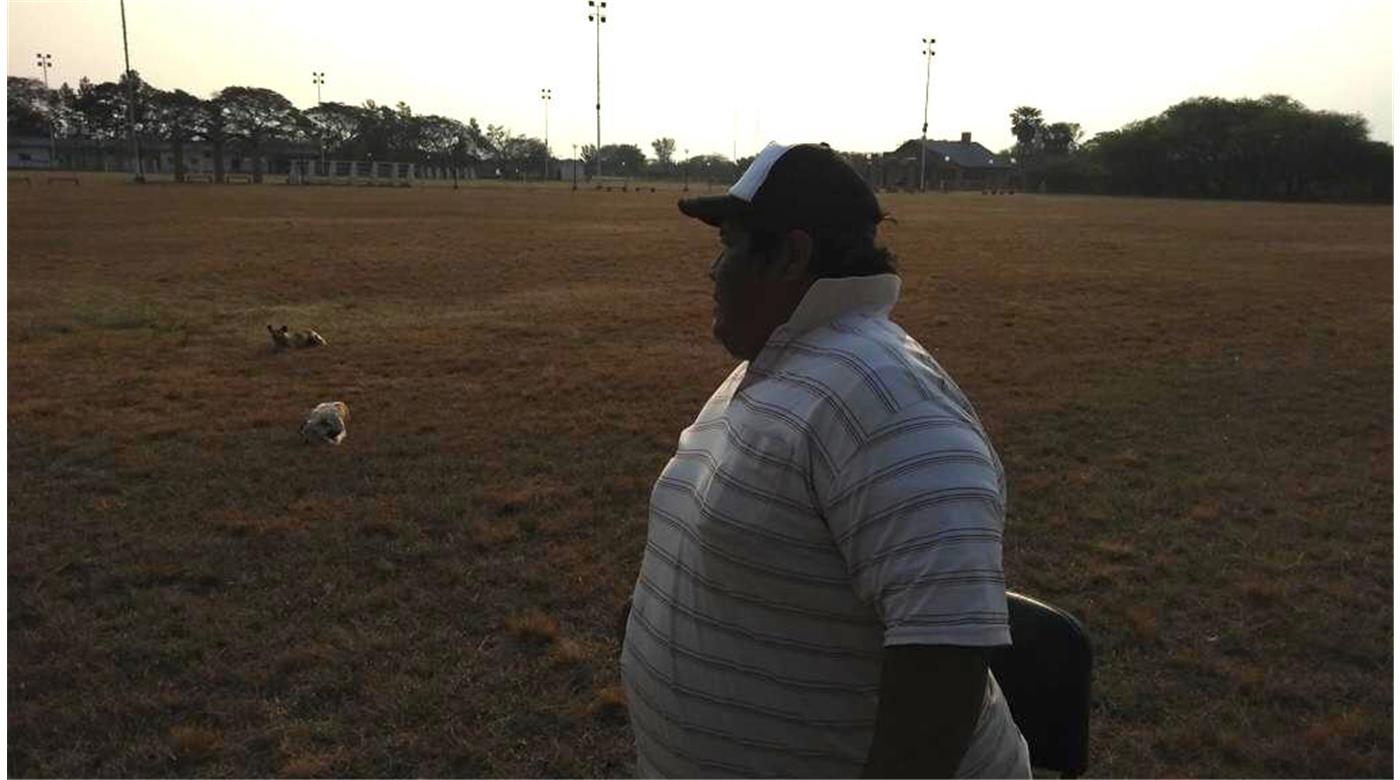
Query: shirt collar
[[828, 299]]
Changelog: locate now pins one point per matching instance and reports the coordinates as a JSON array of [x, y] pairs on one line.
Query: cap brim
[[714, 209]]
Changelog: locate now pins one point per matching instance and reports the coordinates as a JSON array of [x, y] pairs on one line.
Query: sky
[[727, 76]]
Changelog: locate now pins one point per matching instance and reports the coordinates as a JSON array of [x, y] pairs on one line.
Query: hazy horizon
[[728, 80]]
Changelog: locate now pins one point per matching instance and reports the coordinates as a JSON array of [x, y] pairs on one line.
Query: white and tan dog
[[326, 423], [283, 338]]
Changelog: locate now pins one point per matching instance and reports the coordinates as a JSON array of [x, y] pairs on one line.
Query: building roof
[[968, 154]]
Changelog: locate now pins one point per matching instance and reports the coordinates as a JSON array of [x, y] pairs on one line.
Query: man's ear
[[797, 254]]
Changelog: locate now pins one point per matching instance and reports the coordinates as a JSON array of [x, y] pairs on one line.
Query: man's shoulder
[[868, 360], [852, 339]]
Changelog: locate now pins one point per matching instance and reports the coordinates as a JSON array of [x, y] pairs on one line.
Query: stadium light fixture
[[598, 19], [46, 62], [546, 96], [318, 77], [923, 142]]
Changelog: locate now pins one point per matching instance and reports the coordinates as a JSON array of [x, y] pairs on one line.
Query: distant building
[[158, 157], [566, 170], [948, 165], [28, 152]]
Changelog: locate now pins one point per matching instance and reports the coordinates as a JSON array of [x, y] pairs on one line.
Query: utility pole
[[318, 77], [574, 164], [923, 142], [597, 18], [46, 62], [545, 97], [140, 177], [685, 175]]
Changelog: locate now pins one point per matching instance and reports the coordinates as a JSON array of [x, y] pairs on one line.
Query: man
[[822, 574]]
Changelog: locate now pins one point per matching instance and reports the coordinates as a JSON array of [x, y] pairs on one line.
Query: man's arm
[[930, 699]]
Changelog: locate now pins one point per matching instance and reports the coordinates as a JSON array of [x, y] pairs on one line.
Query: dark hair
[[836, 252]]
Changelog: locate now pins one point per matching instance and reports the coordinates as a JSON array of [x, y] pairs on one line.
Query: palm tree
[[1026, 123]]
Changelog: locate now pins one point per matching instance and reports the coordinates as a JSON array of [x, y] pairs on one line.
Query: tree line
[[258, 122], [1271, 148]]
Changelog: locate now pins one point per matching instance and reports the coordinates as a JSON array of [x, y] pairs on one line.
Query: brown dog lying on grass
[[326, 423], [301, 339]]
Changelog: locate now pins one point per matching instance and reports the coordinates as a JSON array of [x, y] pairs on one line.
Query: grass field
[[1193, 401]]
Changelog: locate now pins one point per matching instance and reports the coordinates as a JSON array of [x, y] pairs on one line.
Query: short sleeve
[[918, 512]]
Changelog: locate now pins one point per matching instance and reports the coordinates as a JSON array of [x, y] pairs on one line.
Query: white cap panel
[[747, 186]]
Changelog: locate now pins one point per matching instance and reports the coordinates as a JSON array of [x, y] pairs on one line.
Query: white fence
[[394, 174]]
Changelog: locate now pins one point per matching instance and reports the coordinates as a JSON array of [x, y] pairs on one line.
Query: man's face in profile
[[760, 276], [741, 292]]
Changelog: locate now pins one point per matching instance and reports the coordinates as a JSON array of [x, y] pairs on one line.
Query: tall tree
[[513, 156], [1060, 138], [28, 107], [444, 141], [618, 159], [437, 136], [258, 116], [1271, 147], [176, 116], [1026, 122], [403, 132], [711, 167], [665, 149], [101, 115], [476, 140], [336, 126], [212, 127], [65, 115], [144, 95]]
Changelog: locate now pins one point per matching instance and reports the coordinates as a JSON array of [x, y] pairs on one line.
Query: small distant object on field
[[301, 339], [326, 423]]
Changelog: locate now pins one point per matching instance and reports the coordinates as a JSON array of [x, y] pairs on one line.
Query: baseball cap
[[796, 186]]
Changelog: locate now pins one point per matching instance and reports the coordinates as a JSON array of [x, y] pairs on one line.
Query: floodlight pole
[[45, 62], [131, 102], [923, 137], [318, 77], [574, 164], [545, 97], [597, 18]]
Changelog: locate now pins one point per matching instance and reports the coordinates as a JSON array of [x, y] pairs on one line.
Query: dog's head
[[279, 336]]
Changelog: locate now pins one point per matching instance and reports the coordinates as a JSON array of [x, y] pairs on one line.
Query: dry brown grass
[[1192, 399]]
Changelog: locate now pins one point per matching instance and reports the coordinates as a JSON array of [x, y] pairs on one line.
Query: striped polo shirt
[[836, 495]]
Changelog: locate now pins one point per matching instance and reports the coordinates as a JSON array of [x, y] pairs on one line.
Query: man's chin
[[718, 330]]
